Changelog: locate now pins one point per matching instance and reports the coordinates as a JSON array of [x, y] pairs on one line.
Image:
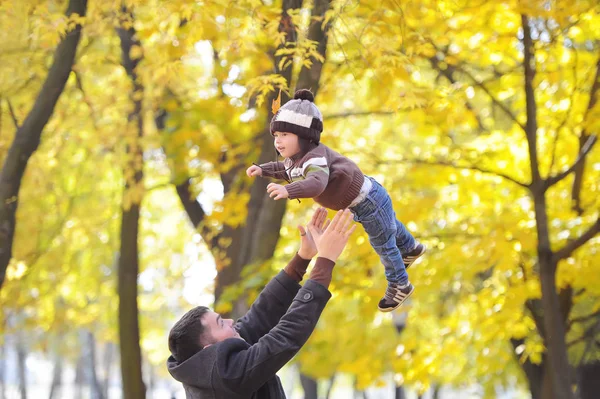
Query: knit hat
[[299, 116]]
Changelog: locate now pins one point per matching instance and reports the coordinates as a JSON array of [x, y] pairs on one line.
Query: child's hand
[[277, 191], [254, 171]]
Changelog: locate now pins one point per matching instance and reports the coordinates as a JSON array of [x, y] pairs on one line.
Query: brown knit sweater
[[333, 180]]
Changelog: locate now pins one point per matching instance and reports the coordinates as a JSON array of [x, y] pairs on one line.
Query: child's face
[[286, 143]]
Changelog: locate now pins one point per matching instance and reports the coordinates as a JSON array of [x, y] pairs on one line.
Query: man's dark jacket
[[277, 325]]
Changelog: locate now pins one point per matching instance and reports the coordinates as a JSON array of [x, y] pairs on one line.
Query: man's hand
[[277, 191], [254, 171], [308, 248], [331, 242]]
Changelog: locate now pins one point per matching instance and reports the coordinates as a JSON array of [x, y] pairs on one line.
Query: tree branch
[[309, 77], [587, 147], [578, 180], [12, 114], [534, 307], [448, 72], [583, 319], [196, 214], [457, 166], [86, 99], [482, 86], [531, 125], [569, 248], [565, 298], [589, 333]]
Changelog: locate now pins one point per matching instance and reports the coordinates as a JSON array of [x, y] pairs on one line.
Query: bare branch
[[589, 333], [497, 102], [583, 319], [535, 308], [565, 301], [482, 86], [457, 166], [86, 99], [196, 214], [12, 114], [578, 180], [572, 246], [587, 147], [448, 72]]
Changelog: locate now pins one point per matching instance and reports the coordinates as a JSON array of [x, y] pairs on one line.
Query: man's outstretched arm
[[273, 301], [276, 298], [244, 368]]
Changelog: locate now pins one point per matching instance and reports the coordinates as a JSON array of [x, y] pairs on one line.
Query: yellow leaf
[[276, 103]]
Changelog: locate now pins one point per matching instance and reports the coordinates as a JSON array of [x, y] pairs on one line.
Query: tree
[[27, 137], [252, 242], [129, 330]]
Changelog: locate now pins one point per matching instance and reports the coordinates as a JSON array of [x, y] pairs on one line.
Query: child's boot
[[394, 297], [413, 255]]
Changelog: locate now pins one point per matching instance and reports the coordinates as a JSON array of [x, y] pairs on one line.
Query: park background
[[125, 131]]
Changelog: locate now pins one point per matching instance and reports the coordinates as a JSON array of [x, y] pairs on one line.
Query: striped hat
[[299, 116]]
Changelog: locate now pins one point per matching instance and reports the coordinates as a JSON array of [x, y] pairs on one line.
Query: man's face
[[217, 328]]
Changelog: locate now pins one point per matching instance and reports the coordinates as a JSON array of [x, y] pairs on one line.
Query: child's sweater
[[333, 180]]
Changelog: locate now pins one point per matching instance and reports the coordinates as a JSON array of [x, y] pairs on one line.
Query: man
[[216, 358]]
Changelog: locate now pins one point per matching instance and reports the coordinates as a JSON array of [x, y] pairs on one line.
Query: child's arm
[[314, 183]]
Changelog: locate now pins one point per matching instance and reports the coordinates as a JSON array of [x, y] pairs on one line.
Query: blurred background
[[125, 131]]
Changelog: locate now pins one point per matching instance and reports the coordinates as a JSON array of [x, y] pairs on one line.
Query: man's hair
[[186, 335]]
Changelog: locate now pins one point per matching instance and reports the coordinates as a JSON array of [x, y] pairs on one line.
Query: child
[[315, 171]]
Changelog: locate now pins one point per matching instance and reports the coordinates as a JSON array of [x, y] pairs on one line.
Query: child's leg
[[377, 216], [411, 249], [404, 240], [383, 241]]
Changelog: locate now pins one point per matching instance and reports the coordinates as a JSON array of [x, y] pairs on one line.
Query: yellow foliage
[[425, 96]]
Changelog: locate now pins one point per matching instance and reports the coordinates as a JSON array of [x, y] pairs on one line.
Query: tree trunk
[[3, 368], [559, 369], [399, 393], [256, 240], [554, 325], [96, 389], [589, 380], [330, 387], [129, 330], [533, 372], [27, 137], [310, 386], [56, 386], [22, 367], [107, 368], [79, 376]]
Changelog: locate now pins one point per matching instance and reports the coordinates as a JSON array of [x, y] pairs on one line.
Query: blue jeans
[[388, 236]]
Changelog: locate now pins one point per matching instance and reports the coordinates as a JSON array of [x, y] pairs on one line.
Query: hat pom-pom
[[304, 94]]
